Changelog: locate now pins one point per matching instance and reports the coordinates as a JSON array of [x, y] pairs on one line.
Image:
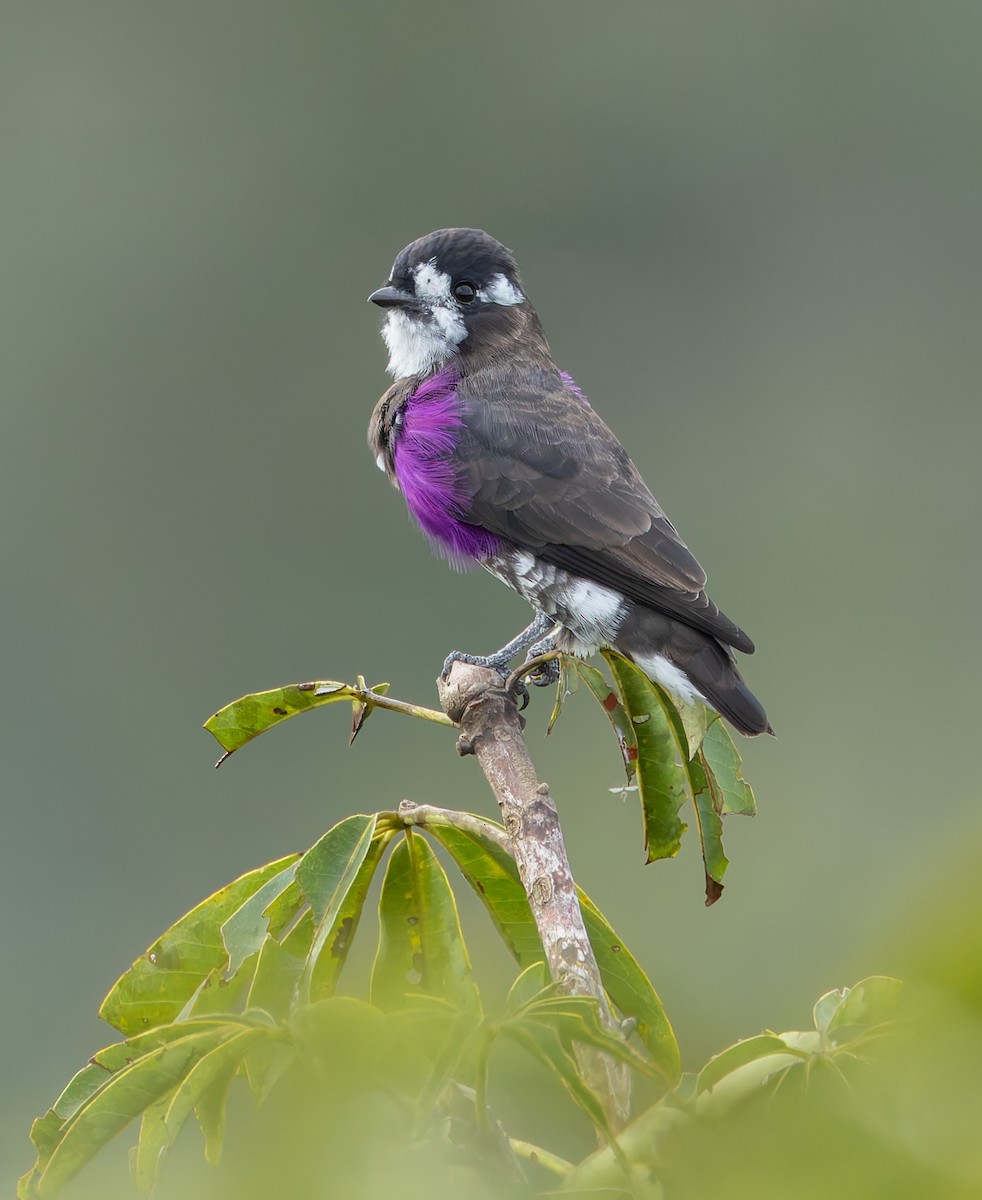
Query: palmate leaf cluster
[[246, 985], [244, 991]]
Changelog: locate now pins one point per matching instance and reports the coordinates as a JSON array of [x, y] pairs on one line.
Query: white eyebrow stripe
[[501, 290]]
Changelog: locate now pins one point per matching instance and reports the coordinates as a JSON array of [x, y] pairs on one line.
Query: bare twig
[[492, 730]]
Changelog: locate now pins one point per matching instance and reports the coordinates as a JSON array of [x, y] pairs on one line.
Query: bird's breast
[[423, 438]]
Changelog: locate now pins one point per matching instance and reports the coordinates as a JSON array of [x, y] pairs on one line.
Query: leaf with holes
[[662, 778], [249, 716], [490, 870], [335, 875], [610, 702], [245, 930], [724, 770], [421, 947], [710, 826]]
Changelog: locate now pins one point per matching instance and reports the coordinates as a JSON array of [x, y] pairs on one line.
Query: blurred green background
[[752, 233]]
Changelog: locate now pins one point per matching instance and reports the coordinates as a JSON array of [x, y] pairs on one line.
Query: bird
[[503, 462]]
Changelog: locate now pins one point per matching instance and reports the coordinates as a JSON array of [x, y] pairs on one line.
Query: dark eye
[[465, 291]]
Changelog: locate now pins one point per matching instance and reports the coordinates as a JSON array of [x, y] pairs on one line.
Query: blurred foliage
[[245, 985], [401, 1094]]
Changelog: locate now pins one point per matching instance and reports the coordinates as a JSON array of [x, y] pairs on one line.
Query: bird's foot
[[494, 662], [547, 672], [499, 661]]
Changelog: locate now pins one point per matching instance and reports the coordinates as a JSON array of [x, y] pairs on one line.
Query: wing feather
[[545, 472]]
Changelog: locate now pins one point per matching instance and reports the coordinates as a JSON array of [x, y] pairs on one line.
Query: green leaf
[[162, 1122], [245, 930], [421, 947], [872, 1001], [360, 1048], [126, 1094], [264, 1064], [764, 1045], [662, 778], [724, 770], [577, 1019], [453, 1046], [631, 991], [491, 871], [249, 716], [565, 686], [610, 702], [695, 720], [211, 1105], [826, 1006], [334, 954], [113, 1058], [276, 981], [545, 1046], [335, 875], [158, 985], [530, 984], [281, 914], [217, 994], [711, 839], [643, 1143]]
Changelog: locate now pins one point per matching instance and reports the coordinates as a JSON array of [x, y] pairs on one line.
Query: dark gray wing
[[545, 472]]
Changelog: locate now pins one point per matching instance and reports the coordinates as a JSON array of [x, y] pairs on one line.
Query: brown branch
[[492, 730]]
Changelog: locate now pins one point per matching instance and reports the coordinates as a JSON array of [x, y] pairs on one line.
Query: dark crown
[[461, 253]]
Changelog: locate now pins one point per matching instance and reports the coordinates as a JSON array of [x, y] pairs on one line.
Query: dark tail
[[683, 659]]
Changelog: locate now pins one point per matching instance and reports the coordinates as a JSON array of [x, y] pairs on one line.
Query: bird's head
[[453, 292]]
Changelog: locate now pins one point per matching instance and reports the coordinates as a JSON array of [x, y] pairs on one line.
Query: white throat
[[418, 343]]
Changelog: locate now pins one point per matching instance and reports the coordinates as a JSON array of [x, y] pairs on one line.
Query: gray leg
[[500, 659]]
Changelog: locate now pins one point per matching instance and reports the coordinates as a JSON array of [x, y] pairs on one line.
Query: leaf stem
[[377, 700], [428, 814], [543, 1158]]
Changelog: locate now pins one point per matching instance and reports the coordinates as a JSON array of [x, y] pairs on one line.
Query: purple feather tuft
[[571, 385], [428, 477]]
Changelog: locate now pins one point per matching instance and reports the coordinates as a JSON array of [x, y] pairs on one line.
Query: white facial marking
[[501, 291], [432, 285], [419, 341], [657, 667], [380, 462]]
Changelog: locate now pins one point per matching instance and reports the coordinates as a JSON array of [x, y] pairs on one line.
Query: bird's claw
[[492, 661], [544, 674]]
